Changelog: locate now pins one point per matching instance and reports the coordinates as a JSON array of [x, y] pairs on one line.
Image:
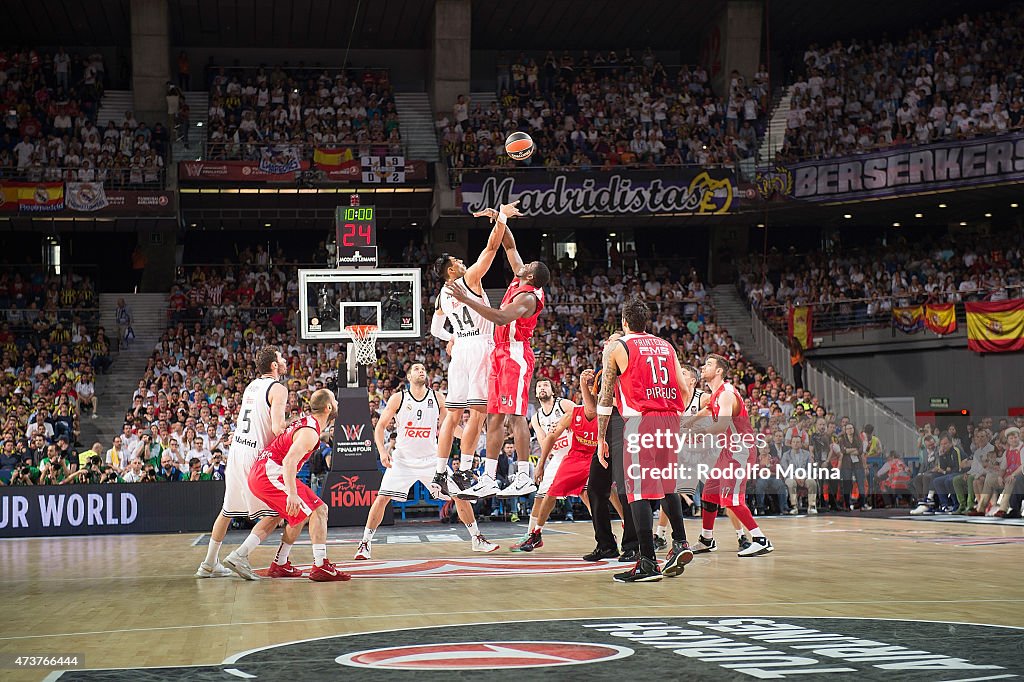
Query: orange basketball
[[519, 146]]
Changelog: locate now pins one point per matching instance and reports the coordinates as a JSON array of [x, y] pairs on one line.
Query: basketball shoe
[[704, 544], [480, 544], [485, 487], [460, 480], [757, 547], [598, 554], [678, 557], [531, 542], [439, 487], [363, 553], [240, 565], [522, 484], [644, 571], [285, 570], [328, 573], [217, 571]]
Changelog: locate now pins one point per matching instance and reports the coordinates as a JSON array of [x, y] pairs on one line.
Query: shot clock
[[356, 229]]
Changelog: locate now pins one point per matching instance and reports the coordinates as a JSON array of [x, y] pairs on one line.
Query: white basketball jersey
[[549, 421], [416, 422], [694, 407], [467, 324], [253, 428]]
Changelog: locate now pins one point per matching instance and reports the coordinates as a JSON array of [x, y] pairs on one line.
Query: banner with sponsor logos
[[627, 192], [350, 171], [892, 172], [46, 510], [88, 198], [995, 326]]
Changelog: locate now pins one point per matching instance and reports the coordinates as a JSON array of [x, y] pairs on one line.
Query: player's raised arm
[[514, 259], [589, 400], [477, 270], [522, 305], [394, 402]]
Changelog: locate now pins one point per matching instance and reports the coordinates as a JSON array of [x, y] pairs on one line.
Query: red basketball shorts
[[508, 391], [266, 481], [726, 485]]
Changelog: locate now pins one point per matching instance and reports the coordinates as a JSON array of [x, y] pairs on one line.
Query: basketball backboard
[[330, 300]]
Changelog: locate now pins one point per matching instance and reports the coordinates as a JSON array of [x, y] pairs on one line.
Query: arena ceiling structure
[[405, 24]]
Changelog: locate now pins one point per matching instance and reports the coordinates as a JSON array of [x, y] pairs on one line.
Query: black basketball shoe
[[644, 571]]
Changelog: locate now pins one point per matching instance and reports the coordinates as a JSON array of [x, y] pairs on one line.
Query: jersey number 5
[[659, 372], [248, 422]]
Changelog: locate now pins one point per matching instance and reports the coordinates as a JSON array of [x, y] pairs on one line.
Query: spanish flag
[[801, 325], [995, 326], [908, 320], [940, 318], [329, 158]]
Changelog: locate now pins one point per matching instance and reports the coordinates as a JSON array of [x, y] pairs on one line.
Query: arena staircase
[[199, 113], [733, 315], [416, 124], [481, 98], [114, 390], [112, 108], [776, 132]]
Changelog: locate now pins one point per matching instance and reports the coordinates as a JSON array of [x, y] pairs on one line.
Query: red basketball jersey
[[740, 420], [649, 382], [520, 330], [1012, 460], [279, 447], [584, 434]]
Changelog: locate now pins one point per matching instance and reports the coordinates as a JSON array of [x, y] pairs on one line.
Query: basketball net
[[364, 338]]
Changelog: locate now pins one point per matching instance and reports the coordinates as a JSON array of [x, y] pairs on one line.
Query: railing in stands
[[112, 178]]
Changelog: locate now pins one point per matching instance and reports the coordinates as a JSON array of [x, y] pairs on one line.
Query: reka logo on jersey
[[349, 492], [483, 655], [352, 431]]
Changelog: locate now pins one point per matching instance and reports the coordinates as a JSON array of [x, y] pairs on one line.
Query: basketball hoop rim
[[361, 331]]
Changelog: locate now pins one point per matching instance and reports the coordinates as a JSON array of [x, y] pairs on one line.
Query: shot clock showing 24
[[356, 228]]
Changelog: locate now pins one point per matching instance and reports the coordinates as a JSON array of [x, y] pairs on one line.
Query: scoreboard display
[[356, 229]]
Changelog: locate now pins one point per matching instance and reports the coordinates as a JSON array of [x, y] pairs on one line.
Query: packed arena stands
[[606, 111], [50, 134], [52, 350], [857, 287], [253, 108], [958, 80]]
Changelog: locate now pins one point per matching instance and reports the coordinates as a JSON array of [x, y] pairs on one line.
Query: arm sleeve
[[437, 328]]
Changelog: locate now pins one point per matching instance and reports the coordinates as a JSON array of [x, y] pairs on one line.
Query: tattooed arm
[[615, 360]]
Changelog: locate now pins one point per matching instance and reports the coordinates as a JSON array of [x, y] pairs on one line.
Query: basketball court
[[126, 602]]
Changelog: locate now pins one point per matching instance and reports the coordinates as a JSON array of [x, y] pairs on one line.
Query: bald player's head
[[322, 402]]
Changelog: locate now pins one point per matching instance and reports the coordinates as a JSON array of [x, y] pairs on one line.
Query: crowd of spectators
[[958, 80], [51, 351], [604, 111], [253, 109], [50, 102], [854, 287]]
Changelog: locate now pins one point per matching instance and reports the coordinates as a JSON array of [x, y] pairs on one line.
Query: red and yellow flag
[[940, 318], [908, 320], [801, 325], [330, 158], [995, 326]]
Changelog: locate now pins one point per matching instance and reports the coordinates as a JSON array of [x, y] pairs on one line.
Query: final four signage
[[703, 191]]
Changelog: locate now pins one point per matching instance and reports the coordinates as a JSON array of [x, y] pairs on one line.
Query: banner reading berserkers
[[695, 191], [892, 172]]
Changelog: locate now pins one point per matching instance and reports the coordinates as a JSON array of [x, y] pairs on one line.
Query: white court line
[[979, 679], [198, 540], [238, 673], [617, 608]]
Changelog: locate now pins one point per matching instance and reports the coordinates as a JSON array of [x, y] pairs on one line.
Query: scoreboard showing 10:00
[[356, 231]]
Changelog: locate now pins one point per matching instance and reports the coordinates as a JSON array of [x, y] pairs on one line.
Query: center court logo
[[483, 655]]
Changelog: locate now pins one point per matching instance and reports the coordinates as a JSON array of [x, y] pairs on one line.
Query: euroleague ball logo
[[483, 655]]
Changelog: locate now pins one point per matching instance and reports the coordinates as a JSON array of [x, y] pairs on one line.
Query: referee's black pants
[[599, 487]]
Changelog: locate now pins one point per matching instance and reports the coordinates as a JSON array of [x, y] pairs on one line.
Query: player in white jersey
[[417, 412], [471, 344], [260, 419], [550, 412]]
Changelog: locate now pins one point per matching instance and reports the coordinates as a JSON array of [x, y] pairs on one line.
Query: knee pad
[[710, 507]]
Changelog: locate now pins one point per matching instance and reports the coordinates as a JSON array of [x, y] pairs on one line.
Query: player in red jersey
[[571, 469], [643, 376], [727, 481], [272, 479], [511, 368]]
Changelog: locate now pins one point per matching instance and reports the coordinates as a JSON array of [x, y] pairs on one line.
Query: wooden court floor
[[131, 601]]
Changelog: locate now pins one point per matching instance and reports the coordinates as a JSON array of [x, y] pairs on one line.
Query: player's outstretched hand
[[511, 210], [586, 379], [457, 291], [487, 213], [602, 453]]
